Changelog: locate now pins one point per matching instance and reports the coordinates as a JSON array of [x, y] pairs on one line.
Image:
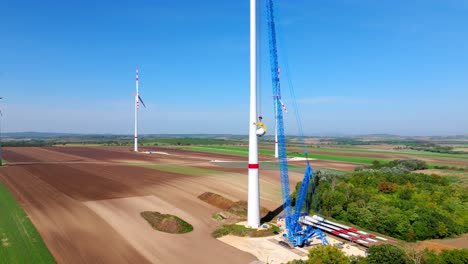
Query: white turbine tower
[[137, 106], [253, 213]]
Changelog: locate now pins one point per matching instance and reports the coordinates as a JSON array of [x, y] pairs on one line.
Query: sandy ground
[[268, 250], [158, 247], [264, 249]]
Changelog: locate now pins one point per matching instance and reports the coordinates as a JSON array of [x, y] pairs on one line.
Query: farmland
[[75, 194], [352, 155]]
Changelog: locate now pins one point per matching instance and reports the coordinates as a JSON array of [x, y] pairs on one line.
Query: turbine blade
[[141, 101]]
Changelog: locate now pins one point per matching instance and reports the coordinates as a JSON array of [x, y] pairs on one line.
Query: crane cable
[[314, 195]]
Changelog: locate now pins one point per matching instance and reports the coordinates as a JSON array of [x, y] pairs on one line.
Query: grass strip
[[180, 169], [19, 240]]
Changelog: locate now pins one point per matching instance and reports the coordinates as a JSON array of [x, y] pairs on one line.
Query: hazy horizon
[[15, 134]]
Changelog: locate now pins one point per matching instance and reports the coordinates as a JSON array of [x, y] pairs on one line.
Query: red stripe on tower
[[253, 166]]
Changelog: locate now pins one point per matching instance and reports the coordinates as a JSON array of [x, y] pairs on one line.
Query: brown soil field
[[89, 212], [437, 247], [450, 243]]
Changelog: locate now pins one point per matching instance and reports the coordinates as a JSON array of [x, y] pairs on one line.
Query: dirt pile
[[216, 200], [238, 208], [167, 223]]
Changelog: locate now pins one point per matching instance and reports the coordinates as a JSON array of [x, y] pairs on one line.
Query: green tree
[[357, 260], [297, 261], [430, 257], [405, 193], [327, 255], [387, 187], [330, 200], [454, 256], [386, 254]]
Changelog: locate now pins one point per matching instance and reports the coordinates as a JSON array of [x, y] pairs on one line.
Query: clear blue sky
[[358, 66]]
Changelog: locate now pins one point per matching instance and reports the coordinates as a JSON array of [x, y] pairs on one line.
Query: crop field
[[188, 141], [244, 152], [182, 169], [351, 155], [19, 240]]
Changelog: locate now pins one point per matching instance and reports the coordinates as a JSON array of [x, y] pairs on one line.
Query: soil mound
[[216, 200], [238, 208], [167, 223]]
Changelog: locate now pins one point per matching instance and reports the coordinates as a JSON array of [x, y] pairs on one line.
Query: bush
[[386, 254], [455, 256], [324, 255], [327, 255], [408, 206], [387, 187]]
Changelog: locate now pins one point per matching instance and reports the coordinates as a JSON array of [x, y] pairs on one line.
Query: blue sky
[[358, 66]]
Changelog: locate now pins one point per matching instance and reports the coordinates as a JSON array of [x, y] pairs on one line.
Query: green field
[[176, 141], [19, 240], [267, 165], [244, 152], [181, 169], [392, 152], [79, 145]]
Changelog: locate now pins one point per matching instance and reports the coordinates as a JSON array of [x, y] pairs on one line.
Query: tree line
[[385, 254], [392, 199]]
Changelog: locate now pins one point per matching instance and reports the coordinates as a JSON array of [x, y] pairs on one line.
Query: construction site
[[86, 203], [254, 201]]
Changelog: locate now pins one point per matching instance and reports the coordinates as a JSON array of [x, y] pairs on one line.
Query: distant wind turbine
[[137, 106]]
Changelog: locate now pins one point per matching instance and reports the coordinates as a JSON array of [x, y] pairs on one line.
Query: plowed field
[[85, 203]]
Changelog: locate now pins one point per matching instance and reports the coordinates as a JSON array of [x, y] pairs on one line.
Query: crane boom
[[296, 233], [282, 159]]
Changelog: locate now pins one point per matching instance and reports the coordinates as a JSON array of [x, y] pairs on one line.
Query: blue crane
[[297, 234]]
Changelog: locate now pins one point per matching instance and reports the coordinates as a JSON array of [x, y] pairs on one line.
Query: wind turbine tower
[[137, 106], [253, 204]]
